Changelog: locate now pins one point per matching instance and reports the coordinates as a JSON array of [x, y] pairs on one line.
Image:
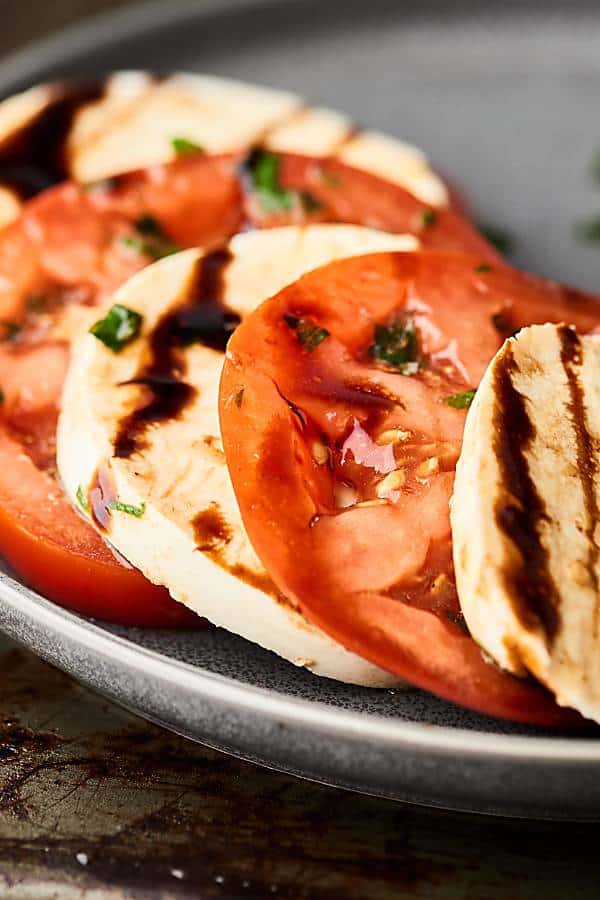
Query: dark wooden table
[[96, 803]]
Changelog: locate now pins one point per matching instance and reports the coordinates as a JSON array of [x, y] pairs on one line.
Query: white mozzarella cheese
[[218, 114], [180, 474], [395, 161], [525, 512], [135, 122], [16, 113]]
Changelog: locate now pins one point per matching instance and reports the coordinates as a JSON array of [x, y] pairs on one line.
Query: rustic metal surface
[[96, 803]]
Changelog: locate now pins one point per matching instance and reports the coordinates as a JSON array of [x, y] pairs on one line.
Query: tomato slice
[[360, 198], [41, 535], [74, 246], [341, 445]]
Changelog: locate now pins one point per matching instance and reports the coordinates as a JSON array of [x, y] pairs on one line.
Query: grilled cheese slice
[[178, 521], [134, 123], [526, 513]]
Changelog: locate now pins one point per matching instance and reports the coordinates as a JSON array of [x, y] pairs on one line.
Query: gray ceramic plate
[[505, 97]]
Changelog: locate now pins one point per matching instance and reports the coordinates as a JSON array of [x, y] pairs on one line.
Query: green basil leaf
[[119, 327], [462, 400]]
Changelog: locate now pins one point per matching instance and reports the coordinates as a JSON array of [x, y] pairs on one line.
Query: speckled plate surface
[[506, 101]]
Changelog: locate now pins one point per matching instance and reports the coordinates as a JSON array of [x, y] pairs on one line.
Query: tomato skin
[[360, 198], [285, 495], [197, 199], [89, 586], [41, 536], [45, 541]]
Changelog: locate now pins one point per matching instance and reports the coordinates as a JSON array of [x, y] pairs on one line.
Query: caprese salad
[[258, 366]]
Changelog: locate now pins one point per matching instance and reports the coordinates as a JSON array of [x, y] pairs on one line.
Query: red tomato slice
[[76, 246], [359, 198], [343, 467], [41, 535]]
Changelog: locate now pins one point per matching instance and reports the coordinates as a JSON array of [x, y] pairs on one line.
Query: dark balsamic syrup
[[36, 156], [201, 318]]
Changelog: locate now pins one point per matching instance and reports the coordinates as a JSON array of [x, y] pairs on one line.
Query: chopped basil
[[239, 397], [182, 145], [82, 499], [461, 400], [120, 326], [308, 334], [428, 217], [484, 267], [133, 243], [11, 330], [501, 239], [397, 345], [264, 172], [2, 398], [589, 230], [128, 508], [150, 239]]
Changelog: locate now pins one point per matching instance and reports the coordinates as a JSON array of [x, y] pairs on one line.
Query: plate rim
[[108, 27], [314, 714], [113, 25]]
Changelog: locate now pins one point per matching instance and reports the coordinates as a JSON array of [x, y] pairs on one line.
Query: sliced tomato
[[75, 246], [41, 535], [343, 466], [360, 198]]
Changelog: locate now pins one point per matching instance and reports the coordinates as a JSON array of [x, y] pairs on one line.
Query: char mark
[[520, 511], [211, 530], [571, 356]]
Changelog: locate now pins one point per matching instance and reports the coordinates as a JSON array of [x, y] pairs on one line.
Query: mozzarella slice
[[16, 113], [134, 123], [180, 474], [525, 512]]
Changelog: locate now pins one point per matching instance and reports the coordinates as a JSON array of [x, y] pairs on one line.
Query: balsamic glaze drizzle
[[201, 318], [36, 156]]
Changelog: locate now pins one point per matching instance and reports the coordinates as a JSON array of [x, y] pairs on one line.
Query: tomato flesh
[[72, 247], [343, 466]]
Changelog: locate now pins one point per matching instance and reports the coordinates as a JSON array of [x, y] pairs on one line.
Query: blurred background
[[23, 22]]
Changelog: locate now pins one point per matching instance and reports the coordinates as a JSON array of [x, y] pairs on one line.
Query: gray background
[[23, 22]]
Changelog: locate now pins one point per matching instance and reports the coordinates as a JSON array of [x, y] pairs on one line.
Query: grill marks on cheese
[[36, 157], [213, 533], [520, 509], [522, 512], [587, 463], [211, 530], [320, 153], [528, 484], [201, 317]]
